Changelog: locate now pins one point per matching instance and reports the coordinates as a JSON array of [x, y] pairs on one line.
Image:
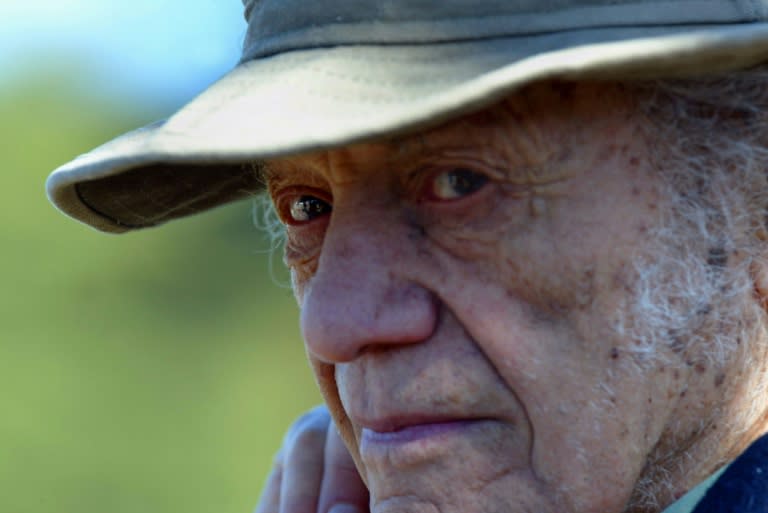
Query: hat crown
[[281, 25]]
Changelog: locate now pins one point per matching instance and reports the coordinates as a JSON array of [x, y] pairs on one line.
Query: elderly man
[[528, 242]]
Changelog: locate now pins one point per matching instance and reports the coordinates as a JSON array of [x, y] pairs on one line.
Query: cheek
[[543, 308], [588, 411], [530, 263], [576, 397]]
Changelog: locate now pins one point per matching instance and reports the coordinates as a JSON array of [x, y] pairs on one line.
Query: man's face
[[462, 292]]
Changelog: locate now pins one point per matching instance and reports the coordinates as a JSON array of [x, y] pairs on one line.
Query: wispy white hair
[[695, 294]]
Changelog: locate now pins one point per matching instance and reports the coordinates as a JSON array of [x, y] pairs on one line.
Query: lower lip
[[415, 432], [420, 441]]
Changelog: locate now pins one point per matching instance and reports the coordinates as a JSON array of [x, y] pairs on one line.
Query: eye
[[305, 208], [455, 184]]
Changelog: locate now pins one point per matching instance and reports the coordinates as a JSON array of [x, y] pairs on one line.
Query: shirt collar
[[688, 502]]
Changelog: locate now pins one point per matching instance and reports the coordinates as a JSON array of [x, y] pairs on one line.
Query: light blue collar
[[688, 502]]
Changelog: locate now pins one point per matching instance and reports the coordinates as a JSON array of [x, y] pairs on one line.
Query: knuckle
[[308, 430], [316, 419], [311, 438]]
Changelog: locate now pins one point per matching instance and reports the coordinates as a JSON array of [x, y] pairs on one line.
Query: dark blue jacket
[[743, 487]]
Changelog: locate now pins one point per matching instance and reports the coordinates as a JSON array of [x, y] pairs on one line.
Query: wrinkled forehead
[[537, 117]]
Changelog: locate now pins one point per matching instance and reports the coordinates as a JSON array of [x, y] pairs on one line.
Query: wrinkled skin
[[459, 293]]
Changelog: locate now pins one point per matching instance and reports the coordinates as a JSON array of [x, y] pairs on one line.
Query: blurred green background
[[147, 372]]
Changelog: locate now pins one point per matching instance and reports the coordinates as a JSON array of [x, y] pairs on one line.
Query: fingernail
[[345, 508]]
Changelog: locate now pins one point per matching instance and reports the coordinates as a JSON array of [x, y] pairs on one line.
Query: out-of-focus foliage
[[147, 372]]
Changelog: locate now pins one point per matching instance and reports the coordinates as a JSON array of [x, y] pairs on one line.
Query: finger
[[342, 486], [302, 473], [270, 497]]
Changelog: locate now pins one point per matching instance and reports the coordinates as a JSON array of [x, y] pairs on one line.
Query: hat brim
[[312, 99]]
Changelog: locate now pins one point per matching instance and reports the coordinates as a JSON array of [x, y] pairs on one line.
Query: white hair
[[710, 138], [694, 294]]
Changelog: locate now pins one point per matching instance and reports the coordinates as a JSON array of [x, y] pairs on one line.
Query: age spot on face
[[586, 288], [717, 257], [719, 379]]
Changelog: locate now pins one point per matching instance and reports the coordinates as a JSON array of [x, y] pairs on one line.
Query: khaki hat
[[319, 74]]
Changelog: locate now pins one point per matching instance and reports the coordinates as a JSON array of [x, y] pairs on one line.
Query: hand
[[313, 471]]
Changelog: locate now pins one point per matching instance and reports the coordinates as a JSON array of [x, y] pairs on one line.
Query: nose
[[364, 294]]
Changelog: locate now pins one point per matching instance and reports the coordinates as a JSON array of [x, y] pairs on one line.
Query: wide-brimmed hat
[[323, 73]]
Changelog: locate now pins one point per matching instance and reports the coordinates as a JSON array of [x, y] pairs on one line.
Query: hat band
[[276, 26]]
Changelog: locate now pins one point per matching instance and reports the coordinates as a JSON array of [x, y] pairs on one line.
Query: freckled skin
[[499, 305]]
